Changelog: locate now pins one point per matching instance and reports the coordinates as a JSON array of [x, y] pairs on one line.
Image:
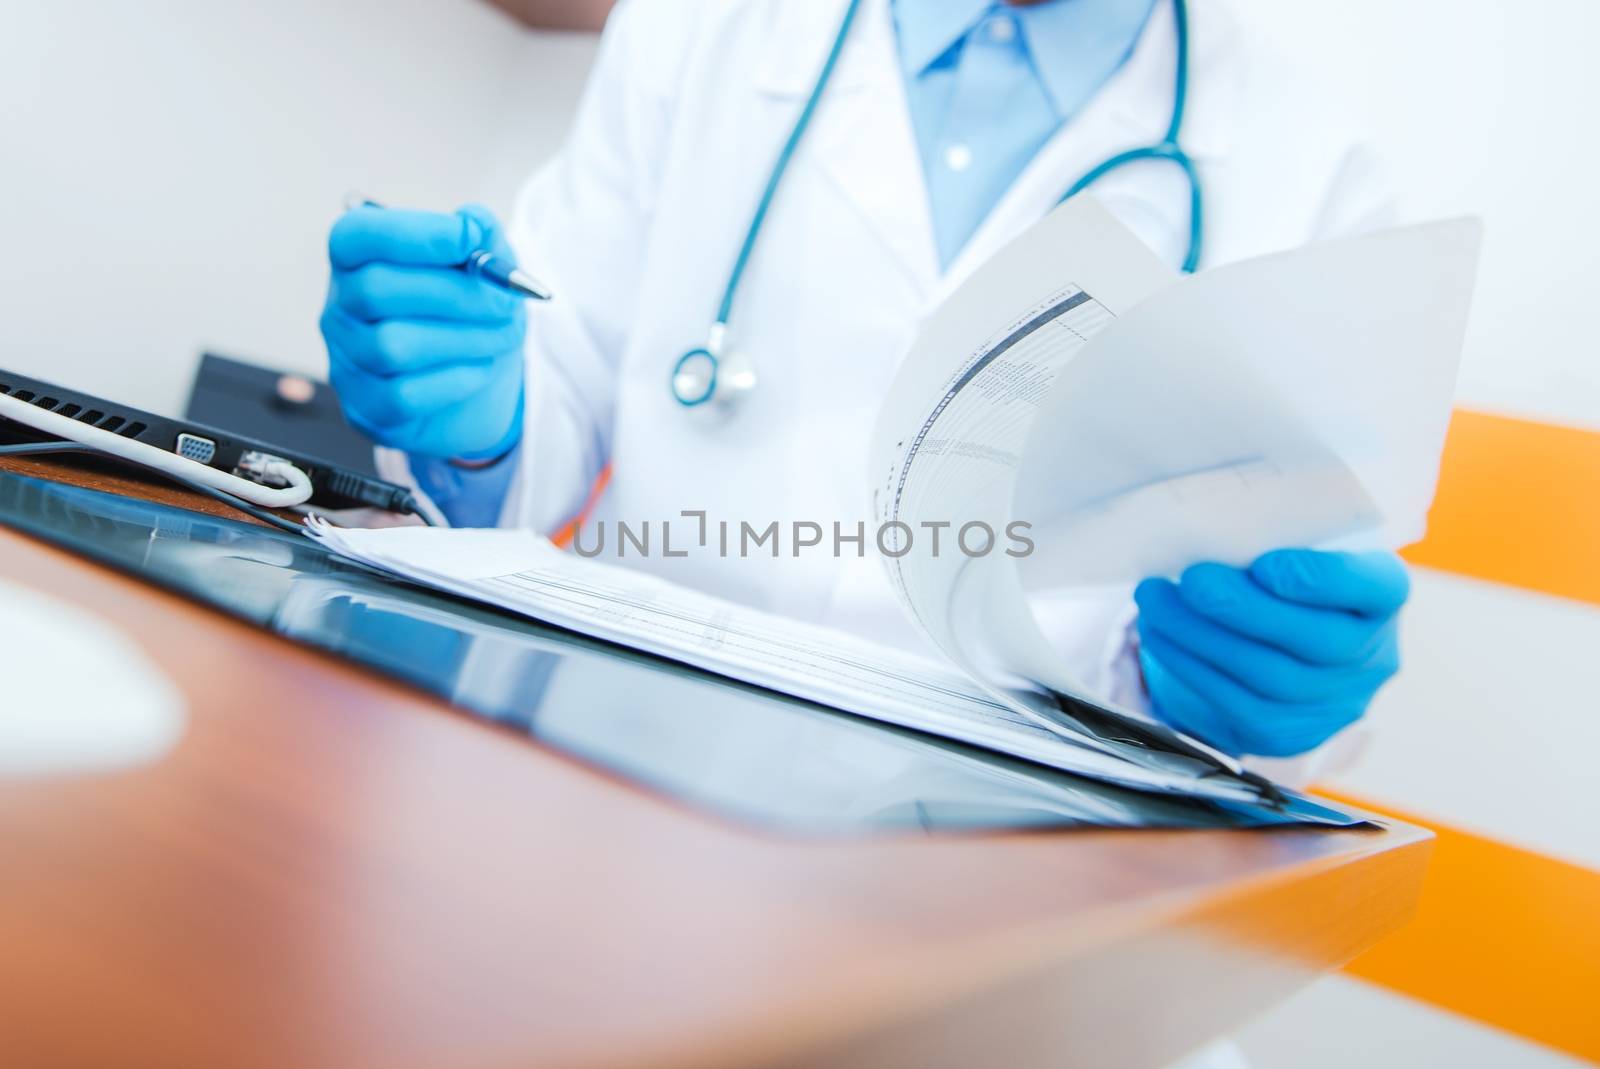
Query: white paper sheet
[[1293, 400]]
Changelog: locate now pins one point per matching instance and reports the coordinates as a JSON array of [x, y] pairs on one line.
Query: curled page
[[1136, 423], [949, 445]]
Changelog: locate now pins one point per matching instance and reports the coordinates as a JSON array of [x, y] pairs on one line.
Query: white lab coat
[[635, 225]]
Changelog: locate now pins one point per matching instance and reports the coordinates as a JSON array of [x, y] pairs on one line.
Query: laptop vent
[[93, 417]]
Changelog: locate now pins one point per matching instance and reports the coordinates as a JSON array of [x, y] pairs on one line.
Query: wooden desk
[[333, 870]]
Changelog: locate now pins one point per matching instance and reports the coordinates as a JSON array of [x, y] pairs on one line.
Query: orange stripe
[[1502, 935], [1518, 503], [563, 537]]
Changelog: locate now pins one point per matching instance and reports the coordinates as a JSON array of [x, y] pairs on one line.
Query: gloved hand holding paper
[[1140, 422]]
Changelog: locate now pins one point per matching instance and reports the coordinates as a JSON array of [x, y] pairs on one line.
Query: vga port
[[193, 447]]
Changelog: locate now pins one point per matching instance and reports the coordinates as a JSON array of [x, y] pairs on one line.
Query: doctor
[[866, 156]]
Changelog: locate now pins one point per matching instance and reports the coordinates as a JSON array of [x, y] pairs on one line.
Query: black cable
[[34, 449], [411, 507]]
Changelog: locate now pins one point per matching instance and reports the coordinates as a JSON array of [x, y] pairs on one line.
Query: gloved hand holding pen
[[426, 357]]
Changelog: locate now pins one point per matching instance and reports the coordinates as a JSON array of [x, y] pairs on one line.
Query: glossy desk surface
[[336, 870]]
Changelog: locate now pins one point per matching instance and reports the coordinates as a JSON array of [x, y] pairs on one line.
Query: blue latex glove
[[425, 357], [1272, 659]]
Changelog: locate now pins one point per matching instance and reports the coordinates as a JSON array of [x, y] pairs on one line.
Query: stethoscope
[[714, 373]]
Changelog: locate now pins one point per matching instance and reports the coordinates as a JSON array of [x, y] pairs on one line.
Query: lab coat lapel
[[861, 139]]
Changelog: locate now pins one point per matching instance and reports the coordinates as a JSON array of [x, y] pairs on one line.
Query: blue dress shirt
[[988, 83]]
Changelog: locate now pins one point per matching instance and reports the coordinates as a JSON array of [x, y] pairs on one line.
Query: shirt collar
[[1075, 44], [1078, 44], [927, 29]]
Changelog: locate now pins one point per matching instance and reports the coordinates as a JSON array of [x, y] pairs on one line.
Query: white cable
[[59, 426]]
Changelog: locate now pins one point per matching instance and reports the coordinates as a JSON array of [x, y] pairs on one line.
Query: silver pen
[[482, 263]]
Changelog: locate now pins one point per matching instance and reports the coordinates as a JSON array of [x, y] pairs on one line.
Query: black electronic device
[[332, 486], [274, 405]]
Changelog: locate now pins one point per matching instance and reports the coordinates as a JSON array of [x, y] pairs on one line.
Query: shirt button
[[958, 157], [1002, 29]]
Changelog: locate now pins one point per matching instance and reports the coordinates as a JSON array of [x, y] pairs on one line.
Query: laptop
[[333, 486]]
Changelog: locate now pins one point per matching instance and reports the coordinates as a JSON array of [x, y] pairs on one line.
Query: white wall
[[1488, 107], [170, 167]]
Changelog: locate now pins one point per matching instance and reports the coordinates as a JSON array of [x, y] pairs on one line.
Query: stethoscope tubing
[[1168, 149]]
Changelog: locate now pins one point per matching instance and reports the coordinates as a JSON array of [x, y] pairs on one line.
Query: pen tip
[[529, 285]]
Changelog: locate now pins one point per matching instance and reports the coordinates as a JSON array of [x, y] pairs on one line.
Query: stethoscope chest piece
[[713, 378]]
